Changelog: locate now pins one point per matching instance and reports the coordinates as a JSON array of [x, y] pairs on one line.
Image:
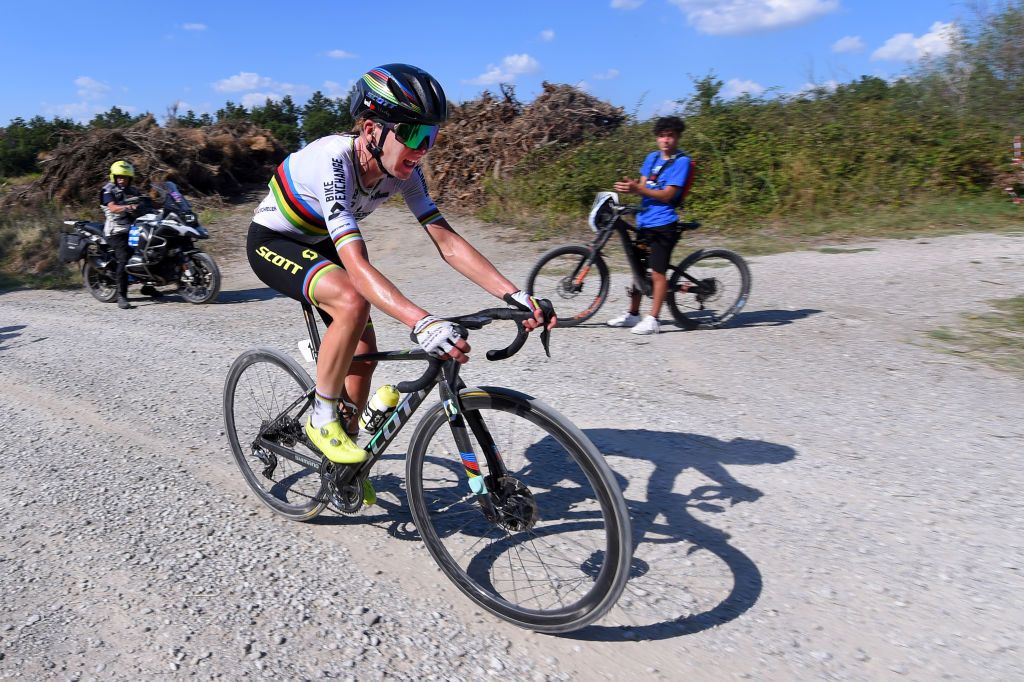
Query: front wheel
[[576, 290], [99, 282], [262, 385], [708, 288], [200, 282], [556, 555]]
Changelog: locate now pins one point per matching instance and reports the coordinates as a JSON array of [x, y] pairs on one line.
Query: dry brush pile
[[487, 137], [213, 160]]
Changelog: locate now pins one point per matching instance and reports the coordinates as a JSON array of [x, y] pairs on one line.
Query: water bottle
[[133, 235], [379, 407]]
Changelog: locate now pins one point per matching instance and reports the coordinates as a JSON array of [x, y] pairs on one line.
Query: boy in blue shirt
[[665, 178]]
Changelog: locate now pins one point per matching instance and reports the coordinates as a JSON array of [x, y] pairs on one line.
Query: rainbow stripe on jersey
[[301, 214]]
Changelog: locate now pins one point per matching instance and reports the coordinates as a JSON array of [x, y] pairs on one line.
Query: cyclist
[[305, 242], [114, 198], [665, 178]]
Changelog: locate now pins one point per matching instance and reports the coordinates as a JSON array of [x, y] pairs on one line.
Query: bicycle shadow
[[685, 576], [753, 318], [8, 333], [247, 295]]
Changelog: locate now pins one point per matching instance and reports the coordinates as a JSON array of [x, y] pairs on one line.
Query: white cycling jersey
[[316, 193]]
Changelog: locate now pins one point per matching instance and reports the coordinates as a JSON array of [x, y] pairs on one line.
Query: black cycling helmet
[[399, 93]]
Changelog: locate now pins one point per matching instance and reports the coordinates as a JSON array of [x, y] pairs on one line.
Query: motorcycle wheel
[[205, 284], [99, 283]]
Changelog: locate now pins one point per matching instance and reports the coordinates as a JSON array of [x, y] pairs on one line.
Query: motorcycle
[[164, 252]]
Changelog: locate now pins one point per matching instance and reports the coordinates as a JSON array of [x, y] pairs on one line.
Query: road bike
[[514, 503], [706, 289]]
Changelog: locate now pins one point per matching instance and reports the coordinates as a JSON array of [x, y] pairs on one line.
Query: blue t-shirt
[[658, 213]]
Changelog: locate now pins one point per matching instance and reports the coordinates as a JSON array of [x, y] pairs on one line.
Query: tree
[[114, 118], [322, 116], [281, 118], [232, 112]]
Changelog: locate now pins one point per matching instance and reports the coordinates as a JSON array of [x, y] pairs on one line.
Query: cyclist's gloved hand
[[543, 311], [436, 336]]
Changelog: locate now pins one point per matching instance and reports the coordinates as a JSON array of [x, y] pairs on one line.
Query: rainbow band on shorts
[[312, 277]]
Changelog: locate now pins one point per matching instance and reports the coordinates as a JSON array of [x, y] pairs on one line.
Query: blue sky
[[75, 59]]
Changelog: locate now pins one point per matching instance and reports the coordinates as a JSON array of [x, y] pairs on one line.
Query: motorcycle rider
[[119, 199], [305, 241]]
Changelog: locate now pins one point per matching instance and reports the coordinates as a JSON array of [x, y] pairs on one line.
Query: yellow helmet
[[121, 168]]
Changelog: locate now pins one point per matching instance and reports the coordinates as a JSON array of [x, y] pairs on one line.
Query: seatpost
[[314, 332]]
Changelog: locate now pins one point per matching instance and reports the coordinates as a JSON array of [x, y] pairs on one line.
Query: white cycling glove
[[436, 336], [526, 301]]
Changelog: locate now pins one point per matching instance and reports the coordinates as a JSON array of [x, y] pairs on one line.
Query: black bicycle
[[514, 502], [706, 289]]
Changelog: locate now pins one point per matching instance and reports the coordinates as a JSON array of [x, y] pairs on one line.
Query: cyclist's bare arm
[[630, 186], [473, 265]]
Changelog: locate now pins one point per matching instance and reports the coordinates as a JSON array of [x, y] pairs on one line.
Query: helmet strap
[[376, 151]]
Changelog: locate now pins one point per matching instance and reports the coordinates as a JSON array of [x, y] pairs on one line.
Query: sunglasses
[[414, 135]]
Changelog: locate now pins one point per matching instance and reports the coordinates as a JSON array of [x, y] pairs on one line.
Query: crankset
[[349, 496]]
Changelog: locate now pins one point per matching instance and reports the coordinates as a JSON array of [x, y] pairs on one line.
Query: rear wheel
[[201, 281], [708, 288], [99, 283], [576, 291], [556, 556], [261, 384]]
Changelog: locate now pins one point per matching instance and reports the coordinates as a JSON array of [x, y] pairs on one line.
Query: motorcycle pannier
[[72, 247]]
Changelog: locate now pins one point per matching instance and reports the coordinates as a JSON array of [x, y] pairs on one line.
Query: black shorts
[[289, 266], [660, 241]]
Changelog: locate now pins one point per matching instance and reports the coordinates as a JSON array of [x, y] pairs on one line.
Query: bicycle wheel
[[575, 292], [559, 556], [708, 288], [261, 384]]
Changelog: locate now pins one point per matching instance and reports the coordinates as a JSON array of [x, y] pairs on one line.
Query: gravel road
[[817, 492]]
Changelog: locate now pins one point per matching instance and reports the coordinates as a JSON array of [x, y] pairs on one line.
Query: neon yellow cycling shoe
[[332, 440], [369, 494]]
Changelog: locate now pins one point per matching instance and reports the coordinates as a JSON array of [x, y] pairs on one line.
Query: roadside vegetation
[[995, 338]]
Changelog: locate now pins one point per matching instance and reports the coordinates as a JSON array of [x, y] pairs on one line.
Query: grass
[[995, 338]]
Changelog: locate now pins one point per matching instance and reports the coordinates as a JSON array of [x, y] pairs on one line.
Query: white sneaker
[[649, 325], [627, 320]]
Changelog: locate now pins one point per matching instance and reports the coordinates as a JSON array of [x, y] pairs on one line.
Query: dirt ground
[[817, 491]]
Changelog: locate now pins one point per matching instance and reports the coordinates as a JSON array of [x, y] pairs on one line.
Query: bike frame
[[460, 422], [637, 262]]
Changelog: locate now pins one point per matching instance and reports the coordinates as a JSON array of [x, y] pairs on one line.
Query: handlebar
[[479, 320]]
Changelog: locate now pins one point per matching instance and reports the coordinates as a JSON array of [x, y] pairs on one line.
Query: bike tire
[[102, 287], [260, 384], [724, 286], [581, 544], [554, 277], [208, 280]]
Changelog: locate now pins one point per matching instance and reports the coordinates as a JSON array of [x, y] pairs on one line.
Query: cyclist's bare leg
[[336, 294], [659, 286], [357, 383]]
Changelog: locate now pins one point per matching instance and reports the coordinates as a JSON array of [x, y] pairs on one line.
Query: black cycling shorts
[[289, 266], [660, 241]]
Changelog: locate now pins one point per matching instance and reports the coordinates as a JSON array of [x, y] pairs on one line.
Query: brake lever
[[545, 337]]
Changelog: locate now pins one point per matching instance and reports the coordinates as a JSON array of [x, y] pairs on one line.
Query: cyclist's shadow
[[685, 575]]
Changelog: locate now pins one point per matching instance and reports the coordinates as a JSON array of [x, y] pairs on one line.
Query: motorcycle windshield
[[174, 200]]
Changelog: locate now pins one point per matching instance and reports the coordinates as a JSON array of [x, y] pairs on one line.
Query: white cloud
[[848, 45], [905, 47], [194, 27], [242, 81], [667, 107], [547, 35], [606, 75], [340, 54], [735, 87], [626, 4], [511, 67], [336, 89], [90, 88], [722, 17], [810, 88]]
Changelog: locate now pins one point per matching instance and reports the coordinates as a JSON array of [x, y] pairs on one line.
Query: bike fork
[[478, 483]]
